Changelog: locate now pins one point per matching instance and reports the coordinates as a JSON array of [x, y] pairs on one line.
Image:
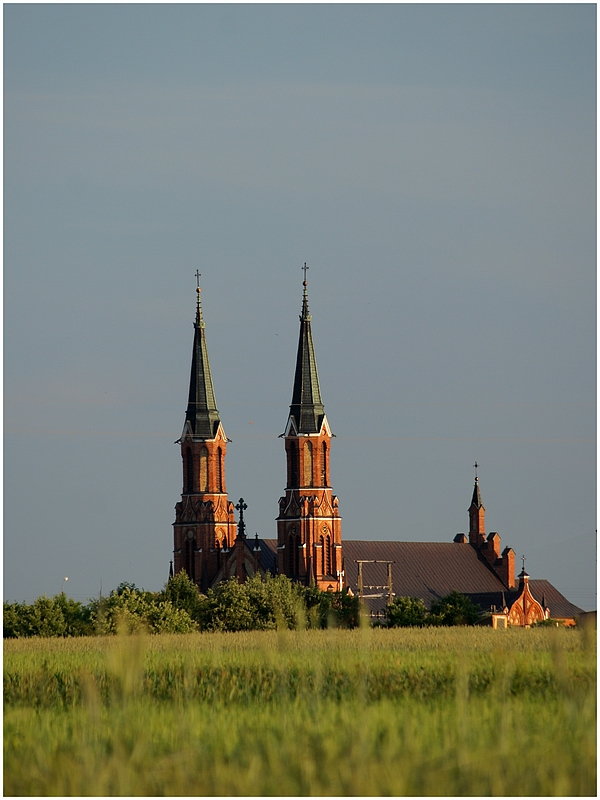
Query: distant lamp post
[[62, 591]]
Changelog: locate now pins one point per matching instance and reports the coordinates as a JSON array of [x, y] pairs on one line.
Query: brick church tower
[[309, 527], [204, 524], [488, 548]]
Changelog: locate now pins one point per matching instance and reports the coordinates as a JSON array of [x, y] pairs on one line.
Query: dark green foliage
[[258, 604], [330, 609], [47, 616], [129, 610], [183, 593], [266, 604], [77, 616], [407, 612], [454, 609]]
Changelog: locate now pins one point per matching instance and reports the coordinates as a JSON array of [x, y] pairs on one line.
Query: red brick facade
[[309, 527], [204, 518]]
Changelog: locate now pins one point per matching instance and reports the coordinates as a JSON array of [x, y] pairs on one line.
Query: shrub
[[47, 616], [183, 593], [129, 610], [406, 612], [454, 609]]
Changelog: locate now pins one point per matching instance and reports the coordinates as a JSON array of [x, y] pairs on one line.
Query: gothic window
[[293, 542], [220, 469], [190, 560], [324, 464], [293, 464], [189, 468], [218, 555], [328, 555], [204, 470], [308, 463], [322, 555]]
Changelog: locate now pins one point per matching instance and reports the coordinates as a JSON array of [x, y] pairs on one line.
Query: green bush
[[47, 616], [454, 609], [129, 610], [257, 604], [406, 612]]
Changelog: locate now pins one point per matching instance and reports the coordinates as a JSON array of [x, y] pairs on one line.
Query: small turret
[[476, 516]]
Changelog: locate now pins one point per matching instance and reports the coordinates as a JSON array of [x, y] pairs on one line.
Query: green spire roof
[[202, 414], [306, 408], [476, 501]]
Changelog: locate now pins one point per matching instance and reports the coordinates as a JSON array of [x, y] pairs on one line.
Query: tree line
[[258, 604]]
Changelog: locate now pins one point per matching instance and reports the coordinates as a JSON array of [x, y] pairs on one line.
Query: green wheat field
[[456, 711]]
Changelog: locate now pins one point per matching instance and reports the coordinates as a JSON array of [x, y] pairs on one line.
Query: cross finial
[[304, 268], [241, 507], [476, 465], [523, 559], [199, 320]]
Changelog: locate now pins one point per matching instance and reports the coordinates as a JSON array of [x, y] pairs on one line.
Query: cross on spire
[[241, 507], [523, 559], [199, 320], [304, 268], [476, 465]]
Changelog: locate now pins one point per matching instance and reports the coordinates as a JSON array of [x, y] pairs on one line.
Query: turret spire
[[306, 407], [476, 501], [202, 416], [476, 515]]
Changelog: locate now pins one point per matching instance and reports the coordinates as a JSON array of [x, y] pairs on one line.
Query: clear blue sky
[[433, 164]]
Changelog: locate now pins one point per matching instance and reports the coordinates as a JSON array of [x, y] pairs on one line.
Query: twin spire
[[307, 408], [202, 416]]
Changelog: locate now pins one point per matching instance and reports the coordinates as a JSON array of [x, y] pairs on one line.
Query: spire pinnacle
[[202, 414], [306, 407], [199, 321], [305, 314], [476, 501]]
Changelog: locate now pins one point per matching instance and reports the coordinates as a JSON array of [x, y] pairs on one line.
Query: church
[[211, 547]]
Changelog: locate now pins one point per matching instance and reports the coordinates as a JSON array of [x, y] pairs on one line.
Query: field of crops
[[456, 711]]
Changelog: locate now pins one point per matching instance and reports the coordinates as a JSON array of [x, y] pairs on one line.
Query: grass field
[[463, 711]]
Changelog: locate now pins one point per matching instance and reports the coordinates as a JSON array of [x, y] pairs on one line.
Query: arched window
[[291, 543], [190, 559], [328, 555], [322, 555], [293, 557], [189, 470], [204, 470], [324, 464], [308, 463], [220, 470], [293, 465]]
